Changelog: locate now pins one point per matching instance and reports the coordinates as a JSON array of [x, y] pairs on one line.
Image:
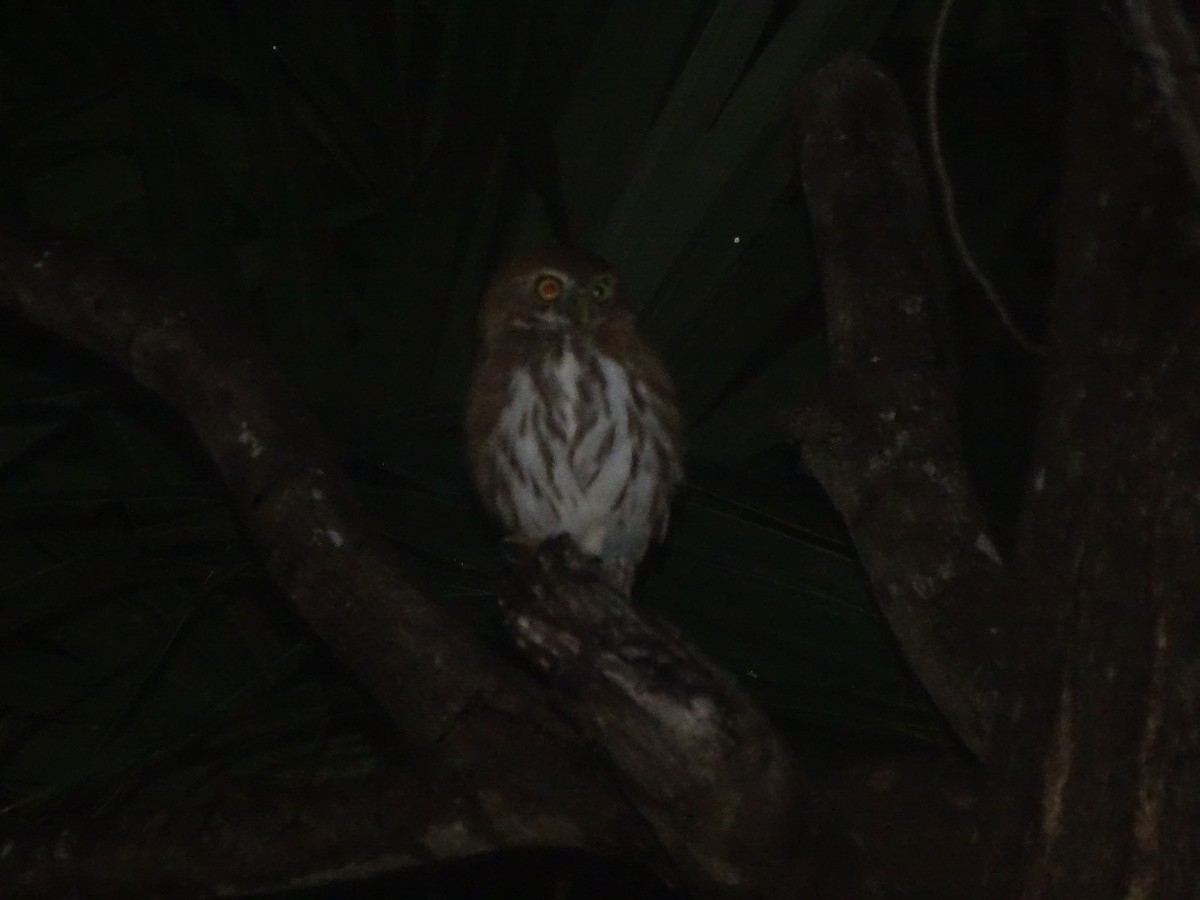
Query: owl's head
[[553, 290]]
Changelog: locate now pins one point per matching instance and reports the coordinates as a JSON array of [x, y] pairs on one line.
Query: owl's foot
[[561, 557], [562, 554]]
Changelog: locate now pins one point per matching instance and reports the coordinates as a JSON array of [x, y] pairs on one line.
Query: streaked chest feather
[[582, 442]]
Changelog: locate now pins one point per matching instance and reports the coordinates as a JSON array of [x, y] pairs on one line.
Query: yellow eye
[[602, 288], [548, 287]]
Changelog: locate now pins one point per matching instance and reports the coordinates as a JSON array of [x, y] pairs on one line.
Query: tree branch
[[1164, 36], [886, 448], [704, 765], [452, 698]]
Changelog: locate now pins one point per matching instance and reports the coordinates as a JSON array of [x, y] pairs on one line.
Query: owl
[[571, 421]]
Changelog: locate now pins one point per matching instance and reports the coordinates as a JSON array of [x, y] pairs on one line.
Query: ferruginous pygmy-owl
[[571, 423]]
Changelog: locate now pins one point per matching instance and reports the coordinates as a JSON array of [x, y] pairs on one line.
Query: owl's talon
[[562, 553]]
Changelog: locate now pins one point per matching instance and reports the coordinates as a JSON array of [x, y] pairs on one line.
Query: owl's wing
[[485, 403]]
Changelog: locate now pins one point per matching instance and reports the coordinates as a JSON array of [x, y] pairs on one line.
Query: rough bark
[[886, 446], [706, 767], [1085, 650], [1168, 45], [1102, 793]]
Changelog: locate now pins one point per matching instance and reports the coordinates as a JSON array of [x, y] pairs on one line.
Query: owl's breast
[[583, 447], [583, 407]]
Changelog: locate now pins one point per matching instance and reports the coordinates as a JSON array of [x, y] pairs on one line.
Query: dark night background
[[346, 176]]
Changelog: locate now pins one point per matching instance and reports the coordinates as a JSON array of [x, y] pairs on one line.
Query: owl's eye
[[548, 287], [602, 288]]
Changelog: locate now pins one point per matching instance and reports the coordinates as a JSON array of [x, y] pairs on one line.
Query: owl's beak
[[580, 306]]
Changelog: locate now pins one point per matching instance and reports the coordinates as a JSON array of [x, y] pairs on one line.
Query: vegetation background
[[346, 176]]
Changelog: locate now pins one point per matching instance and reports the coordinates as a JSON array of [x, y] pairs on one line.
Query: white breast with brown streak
[[586, 454]]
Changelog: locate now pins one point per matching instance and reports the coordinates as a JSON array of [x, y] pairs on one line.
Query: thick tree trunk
[[1097, 776], [1075, 671]]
